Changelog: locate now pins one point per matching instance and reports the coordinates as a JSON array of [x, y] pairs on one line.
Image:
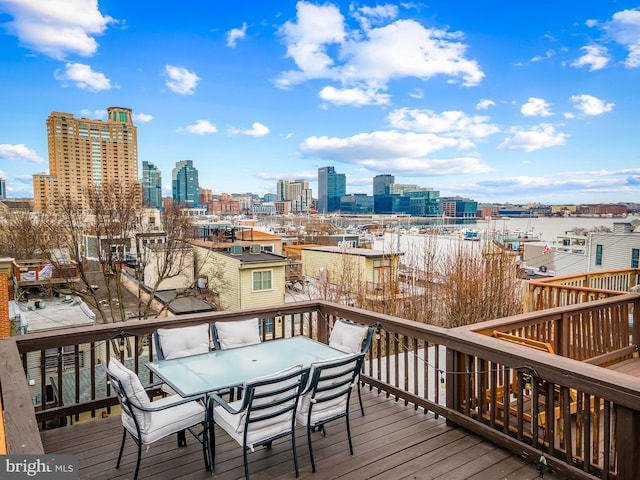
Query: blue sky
[[503, 101]]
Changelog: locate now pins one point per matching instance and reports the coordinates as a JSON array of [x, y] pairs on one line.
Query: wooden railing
[[585, 287], [458, 374]]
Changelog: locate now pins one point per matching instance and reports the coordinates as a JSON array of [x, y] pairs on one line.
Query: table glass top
[[198, 374]]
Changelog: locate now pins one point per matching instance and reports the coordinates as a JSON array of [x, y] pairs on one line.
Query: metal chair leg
[[124, 437], [135, 475], [360, 400], [313, 463]]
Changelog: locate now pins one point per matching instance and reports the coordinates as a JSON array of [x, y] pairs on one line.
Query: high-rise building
[[331, 186], [185, 184], [151, 185], [297, 192], [85, 153], [382, 184], [3, 189]]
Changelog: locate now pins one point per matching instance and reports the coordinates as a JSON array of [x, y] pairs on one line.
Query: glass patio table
[[221, 369]]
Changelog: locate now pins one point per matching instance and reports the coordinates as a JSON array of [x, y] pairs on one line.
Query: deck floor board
[[390, 441]]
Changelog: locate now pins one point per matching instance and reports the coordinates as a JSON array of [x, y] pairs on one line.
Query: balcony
[[455, 403]]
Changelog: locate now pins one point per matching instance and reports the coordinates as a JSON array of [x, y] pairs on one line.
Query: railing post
[[635, 328], [562, 347], [627, 442], [453, 389]]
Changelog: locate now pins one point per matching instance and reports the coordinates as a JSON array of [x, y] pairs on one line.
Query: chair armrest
[[217, 399], [179, 401]]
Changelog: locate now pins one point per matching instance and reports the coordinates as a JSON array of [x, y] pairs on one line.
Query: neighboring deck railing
[[584, 287], [460, 374]]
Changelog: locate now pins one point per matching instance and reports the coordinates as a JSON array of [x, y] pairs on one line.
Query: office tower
[[382, 184], [295, 191], [85, 153], [185, 184], [331, 186], [151, 185], [3, 189]]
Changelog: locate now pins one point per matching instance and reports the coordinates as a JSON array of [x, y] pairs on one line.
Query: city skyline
[[530, 103]]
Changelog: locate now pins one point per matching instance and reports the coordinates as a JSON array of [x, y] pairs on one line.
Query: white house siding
[[616, 250], [209, 260], [180, 275]]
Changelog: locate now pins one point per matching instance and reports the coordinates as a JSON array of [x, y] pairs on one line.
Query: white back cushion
[[347, 337], [272, 387], [238, 334], [133, 388], [184, 341]]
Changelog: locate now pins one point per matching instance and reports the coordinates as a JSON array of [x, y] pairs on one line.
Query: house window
[[635, 256], [599, 254], [381, 274], [262, 280], [268, 326]]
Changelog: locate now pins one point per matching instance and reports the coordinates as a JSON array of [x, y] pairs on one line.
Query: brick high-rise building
[[84, 153]]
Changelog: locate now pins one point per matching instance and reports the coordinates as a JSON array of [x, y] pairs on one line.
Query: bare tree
[[23, 234]]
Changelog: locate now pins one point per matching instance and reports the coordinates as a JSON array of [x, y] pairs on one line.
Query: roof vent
[[255, 248], [235, 249]]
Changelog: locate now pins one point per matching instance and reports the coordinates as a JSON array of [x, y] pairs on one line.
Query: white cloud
[[624, 28], [590, 182], [449, 123], [596, 57], [181, 80], [19, 153], [368, 16], [590, 105], [417, 93], [57, 28], [95, 114], [83, 77], [142, 117], [394, 151], [354, 96], [321, 48], [535, 107], [547, 55], [484, 103], [257, 130], [202, 127], [541, 136], [236, 34]]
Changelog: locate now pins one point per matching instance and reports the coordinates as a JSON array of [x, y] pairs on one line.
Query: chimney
[[5, 324]]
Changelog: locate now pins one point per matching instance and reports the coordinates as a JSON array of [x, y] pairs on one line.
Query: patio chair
[[326, 397], [241, 333], [148, 421], [267, 412], [350, 337]]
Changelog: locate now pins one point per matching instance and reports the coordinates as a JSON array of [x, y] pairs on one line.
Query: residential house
[[248, 277], [177, 258], [342, 264]]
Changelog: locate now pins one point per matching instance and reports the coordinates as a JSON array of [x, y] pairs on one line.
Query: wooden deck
[[390, 442]]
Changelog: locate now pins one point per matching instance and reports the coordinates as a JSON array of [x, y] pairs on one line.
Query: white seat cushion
[[259, 431], [168, 421], [347, 337], [238, 334], [184, 341], [330, 408]]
